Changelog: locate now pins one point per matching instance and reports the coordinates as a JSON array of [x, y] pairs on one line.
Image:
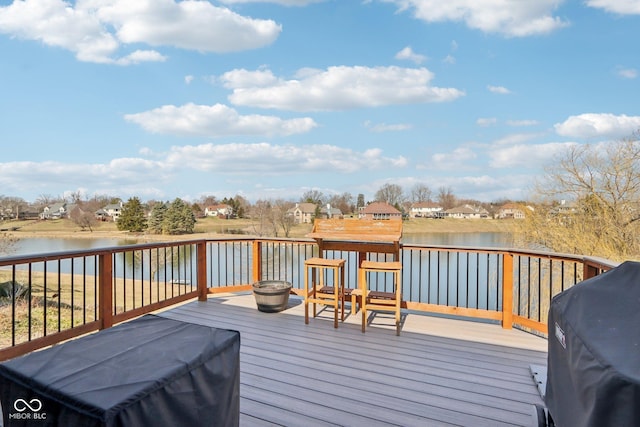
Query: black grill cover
[[151, 371], [594, 351]]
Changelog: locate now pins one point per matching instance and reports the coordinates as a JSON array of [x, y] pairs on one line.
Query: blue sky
[[270, 98]]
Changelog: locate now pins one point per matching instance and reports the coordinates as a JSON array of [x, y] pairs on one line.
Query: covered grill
[[593, 376]]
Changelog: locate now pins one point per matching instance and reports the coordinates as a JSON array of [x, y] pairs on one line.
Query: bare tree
[[600, 187], [344, 202], [281, 218], [10, 207], [390, 193], [446, 198], [420, 193], [46, 200], [85, 219], [313, 196], [261, 216], [207, 201]]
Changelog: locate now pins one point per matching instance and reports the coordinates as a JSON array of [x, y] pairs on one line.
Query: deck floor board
[[438, 372]]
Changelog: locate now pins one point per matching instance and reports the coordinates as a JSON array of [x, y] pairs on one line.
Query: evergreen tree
[[156, 220], [132, 217], [179, 218]]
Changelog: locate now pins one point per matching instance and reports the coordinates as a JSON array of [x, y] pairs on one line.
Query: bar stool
[[316, 290], [379, 301]]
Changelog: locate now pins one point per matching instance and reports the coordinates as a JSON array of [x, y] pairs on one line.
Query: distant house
[[510, 211], [424, 210], [467, 212], [113, 210], [302, 212], [330, 212], [29, 213], [220, 210], [379, 210], [102, 215], [57, 210]]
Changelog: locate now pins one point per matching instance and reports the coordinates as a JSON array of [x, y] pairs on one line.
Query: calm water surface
[[29, 246]]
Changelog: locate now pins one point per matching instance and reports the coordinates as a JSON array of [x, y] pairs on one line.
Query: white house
[[467, 211], [114, 210], [302, 212], [57, 210], [424, 210], [220, 210], [510, 211]]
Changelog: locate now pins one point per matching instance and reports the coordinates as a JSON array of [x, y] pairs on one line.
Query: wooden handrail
[[106, 315]]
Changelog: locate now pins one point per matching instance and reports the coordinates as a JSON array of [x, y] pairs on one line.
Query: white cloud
[[188, 79], [193, 25], [143, 177], [454, 159], [515, 138], [498, 89], [486, 121], [622, 7], [216, 120], [95, 30], [525, 156], [604, 125], [267, 159], [337, 88], [119, 176], [449, 59], [408, 54], [518, 123], [384, 127], [627, 73], [141, 56], [513, 18], [281, 2]]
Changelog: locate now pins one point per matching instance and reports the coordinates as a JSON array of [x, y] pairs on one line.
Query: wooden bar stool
[[379, 301], [316, 290]]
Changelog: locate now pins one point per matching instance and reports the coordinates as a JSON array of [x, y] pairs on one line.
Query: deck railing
[[45, 299]]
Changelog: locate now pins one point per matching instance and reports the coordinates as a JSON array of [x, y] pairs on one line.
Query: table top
[[357, 230]]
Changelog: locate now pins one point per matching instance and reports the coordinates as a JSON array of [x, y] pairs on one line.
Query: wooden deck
[[438, 372]]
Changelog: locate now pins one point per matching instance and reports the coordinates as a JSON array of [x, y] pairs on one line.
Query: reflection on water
[[30, 246], [476, 240]]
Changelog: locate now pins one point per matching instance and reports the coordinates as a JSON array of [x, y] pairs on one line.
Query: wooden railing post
[[507, 290], [257, 261], [201, 270], [589, 271], [105, 289]]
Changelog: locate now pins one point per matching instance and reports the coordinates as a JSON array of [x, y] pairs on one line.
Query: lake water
[[29, 246]]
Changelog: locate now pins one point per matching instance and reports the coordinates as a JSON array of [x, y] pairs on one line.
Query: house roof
[[218, 207], [57, 206], [308, 208], [380, 208], [466, 209]]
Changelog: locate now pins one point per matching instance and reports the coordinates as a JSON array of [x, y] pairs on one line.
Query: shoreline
[[208, 228]]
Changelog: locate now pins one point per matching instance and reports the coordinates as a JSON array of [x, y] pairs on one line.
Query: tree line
[[598, 183]]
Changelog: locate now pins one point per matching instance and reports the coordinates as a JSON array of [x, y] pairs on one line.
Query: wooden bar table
[[358, 235], [363, 236]]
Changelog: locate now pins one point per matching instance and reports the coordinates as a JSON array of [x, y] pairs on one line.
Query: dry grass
[[67, 302]]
